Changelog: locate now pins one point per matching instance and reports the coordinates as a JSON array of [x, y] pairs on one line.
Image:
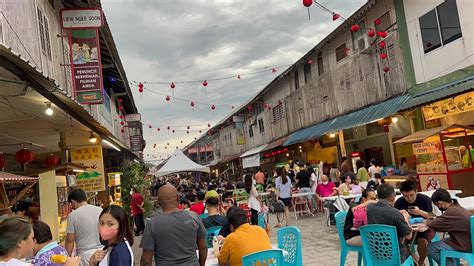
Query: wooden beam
[[3, 194], [22, 193]]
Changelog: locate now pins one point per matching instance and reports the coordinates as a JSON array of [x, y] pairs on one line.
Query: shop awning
[[440, 92], [425, 133], [360, 117], [276, 143], [253, 151]]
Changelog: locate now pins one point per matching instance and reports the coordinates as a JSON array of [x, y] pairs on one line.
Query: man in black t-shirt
[[418, 205], [302, 182]]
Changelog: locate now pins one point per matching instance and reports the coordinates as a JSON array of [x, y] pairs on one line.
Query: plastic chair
[[211, 233], [261, 220], [380, 243], [340, 218], [273, 257], [301, 207], [469, 257], [289, 239], [204, 215]]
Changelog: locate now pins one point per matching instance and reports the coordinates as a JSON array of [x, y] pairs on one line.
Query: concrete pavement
[[320, 242]]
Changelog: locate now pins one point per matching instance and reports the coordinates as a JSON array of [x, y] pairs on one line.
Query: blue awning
[[360, 117], [438, 93]]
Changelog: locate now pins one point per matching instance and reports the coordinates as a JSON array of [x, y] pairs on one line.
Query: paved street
[[320, 243]]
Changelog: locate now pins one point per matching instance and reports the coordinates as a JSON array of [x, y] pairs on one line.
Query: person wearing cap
[[211, 194], [214, 218]]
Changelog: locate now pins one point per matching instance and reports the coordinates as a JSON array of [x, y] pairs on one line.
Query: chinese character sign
[[86, 66], [93, 179]]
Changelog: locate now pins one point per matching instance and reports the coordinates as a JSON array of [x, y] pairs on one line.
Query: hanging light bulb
[[92, 138], [49, 111]]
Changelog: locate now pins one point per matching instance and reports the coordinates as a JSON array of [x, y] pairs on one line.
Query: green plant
[[134, 176]]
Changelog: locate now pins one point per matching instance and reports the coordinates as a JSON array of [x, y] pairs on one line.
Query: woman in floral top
[[45, 247]]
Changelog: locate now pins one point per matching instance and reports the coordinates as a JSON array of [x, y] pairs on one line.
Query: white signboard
[[83, 18], [133, 117]]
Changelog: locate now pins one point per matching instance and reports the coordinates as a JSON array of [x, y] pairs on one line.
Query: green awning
[[360, 117], [440, 92]]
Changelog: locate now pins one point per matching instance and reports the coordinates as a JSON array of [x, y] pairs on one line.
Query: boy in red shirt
[[199, 206]]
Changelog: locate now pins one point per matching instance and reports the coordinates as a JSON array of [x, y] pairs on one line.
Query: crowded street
[[236, 132]]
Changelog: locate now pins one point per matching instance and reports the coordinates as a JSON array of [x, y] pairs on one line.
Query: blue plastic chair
[[211, 233], [204, 215], [273, 257], [261, 220], [340, 218], [289, 239], [469, 257], [380, 243]]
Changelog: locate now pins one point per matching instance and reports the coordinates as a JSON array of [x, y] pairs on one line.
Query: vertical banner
[[86, 66], [93, 179], [239, 128]]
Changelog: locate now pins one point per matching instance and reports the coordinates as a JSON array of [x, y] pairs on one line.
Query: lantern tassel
[[309, 14]]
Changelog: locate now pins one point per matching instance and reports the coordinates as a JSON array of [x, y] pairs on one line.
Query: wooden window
[[277, 113], [307, 73], [319, 58], [41, 30], [261, 127], [341, 52], [251, 131], [297, 79], [47, 40]]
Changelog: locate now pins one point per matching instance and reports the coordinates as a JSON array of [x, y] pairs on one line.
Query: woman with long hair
[[18, 242], [116, 236], [283, 188], [253, 202]]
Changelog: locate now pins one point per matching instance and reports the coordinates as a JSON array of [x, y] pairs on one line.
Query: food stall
[[13, 188], [443, 157]]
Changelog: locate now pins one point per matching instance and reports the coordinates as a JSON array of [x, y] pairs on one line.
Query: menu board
[[429, 156]]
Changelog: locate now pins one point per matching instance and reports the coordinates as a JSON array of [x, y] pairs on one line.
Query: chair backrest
[[380, 244], [472, 232], [211, 232], [261, 220], [204, 215], [340, 218], [273, 257], [289, 239]]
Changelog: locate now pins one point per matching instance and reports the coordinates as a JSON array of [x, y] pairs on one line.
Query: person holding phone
[[417, 205]]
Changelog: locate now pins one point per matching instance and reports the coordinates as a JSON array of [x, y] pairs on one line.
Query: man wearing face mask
[[174, 235], [82, 227], [136, 207], [244, 239]]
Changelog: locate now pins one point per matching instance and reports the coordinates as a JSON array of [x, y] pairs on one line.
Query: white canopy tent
[[178, 162]]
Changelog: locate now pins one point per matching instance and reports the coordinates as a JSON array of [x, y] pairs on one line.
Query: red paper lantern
[[120, 107], [120, 100], [382, 44], [122, 130], [335, 16], [192, 104], [307, 3], [200, 131], [195, 138], [168, 143], [172, 85], [213, 107], [149, 126], [233, 107], [140, 87], [238, 77], [371, 33], [187, 132], [24, 156], [309, 62], [355, 28], [122, 123], [158, 129], [51, 160], [169, 127], [188, 127], [208, 125], [173, 131], [122, 117], [382, 34], [2, 160], [249, 108], [204, 83], [269, 107], [274, 70], [181, 141], [377, 22], [168, 98], [386, 69], [383, 55]]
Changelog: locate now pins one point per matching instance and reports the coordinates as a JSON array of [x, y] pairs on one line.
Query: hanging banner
[[239, 128], [456, 105], [86, 66], [93, 179]]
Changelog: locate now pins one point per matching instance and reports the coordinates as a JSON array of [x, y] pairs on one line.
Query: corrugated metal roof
[[440, 92], [362, 116]]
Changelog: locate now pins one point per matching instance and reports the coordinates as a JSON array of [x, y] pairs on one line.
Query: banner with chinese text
[[86, 66], [93, 179]]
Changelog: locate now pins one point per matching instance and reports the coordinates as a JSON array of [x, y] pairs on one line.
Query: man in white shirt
[[82, 227]]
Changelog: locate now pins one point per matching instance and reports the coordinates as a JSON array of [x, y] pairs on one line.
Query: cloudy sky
[[186, 40]]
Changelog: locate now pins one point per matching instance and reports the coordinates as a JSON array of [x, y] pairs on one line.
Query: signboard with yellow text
[[93, 179]]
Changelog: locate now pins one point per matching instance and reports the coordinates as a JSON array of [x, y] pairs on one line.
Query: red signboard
[[86, 66]]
